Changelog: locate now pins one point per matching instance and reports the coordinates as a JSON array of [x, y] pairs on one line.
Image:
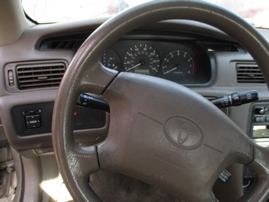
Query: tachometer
[[178, 66], [111, 60], [142, 59]]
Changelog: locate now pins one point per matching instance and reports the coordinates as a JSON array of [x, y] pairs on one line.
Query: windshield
[[46, 11]]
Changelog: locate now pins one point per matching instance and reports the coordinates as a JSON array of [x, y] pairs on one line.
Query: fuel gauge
[[111, 60]]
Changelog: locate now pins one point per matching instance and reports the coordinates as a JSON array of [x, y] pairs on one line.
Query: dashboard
[[189, 53], [184, 58]]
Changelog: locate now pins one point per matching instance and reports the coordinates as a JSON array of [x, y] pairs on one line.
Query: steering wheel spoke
[[81, 162], [260, 165], [96, 78]]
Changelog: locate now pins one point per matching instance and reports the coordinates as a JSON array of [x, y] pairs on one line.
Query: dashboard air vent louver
[[40, 76], [62, 45], [63, 42], [222, 47], [249, 73]]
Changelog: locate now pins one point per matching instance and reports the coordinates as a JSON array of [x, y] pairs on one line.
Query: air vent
[[39, 76], [249, 73], [222, 47], [63, 42], [61, 45]]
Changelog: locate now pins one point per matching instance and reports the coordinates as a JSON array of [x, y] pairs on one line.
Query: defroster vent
[[40, 75], [249, 73]]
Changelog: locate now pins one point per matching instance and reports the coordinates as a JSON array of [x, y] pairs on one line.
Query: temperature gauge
[[111, 60]]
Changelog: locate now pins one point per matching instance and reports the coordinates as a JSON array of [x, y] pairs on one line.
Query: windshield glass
[[45, 11]]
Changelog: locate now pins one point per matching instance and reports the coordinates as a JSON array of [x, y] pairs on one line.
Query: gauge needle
[[167, 72], [137, 65], [116, 67]]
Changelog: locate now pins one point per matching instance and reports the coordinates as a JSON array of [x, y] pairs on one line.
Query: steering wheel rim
[[86, 74]]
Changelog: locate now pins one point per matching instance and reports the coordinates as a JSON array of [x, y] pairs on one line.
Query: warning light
[[75, 114]]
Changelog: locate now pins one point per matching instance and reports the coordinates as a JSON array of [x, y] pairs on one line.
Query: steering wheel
[[160, 132]]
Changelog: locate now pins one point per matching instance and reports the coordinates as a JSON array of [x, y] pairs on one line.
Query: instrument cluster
[[184, 63]]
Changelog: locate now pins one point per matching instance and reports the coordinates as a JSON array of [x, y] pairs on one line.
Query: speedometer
[[178, 66], [142, 59]]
